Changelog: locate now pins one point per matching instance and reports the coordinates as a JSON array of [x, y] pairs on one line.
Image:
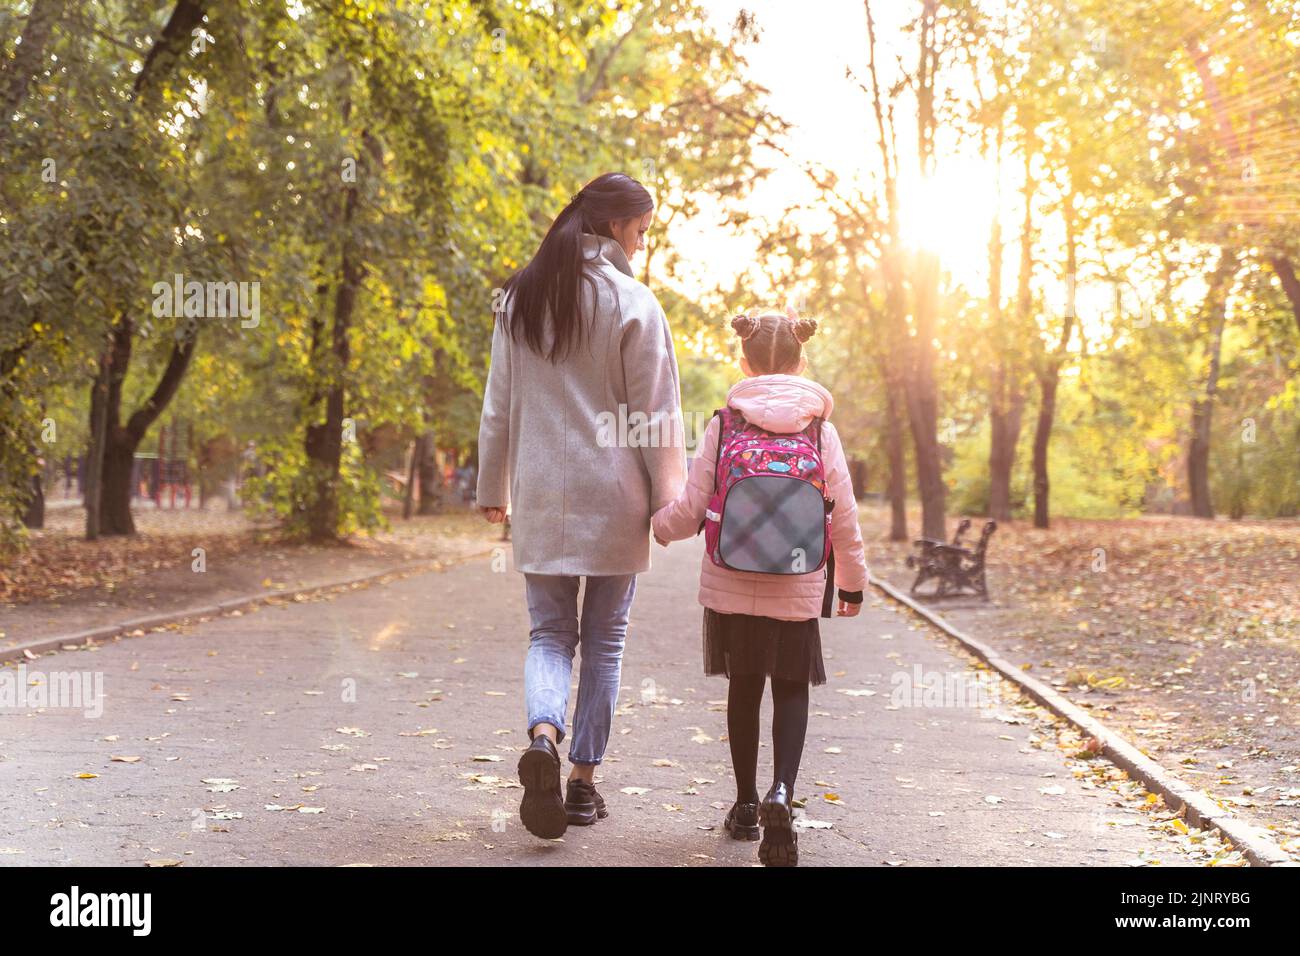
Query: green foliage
[[467, 125], [290, 487]]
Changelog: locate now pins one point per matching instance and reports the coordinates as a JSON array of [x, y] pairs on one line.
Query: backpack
[[769, 512]]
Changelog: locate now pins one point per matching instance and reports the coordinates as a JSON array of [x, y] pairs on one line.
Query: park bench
[[955, 567]]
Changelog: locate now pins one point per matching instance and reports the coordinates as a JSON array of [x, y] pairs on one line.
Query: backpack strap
[[721, 415], [725, 416], [828, 596]]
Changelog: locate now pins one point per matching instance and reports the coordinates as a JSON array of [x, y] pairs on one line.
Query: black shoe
[[742, 821], [583, 803], [542, 809], [780, 846]]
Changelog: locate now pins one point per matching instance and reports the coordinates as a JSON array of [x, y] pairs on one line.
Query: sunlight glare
[[949, 214]]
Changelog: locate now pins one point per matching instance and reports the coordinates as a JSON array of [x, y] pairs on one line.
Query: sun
[[949, 213]]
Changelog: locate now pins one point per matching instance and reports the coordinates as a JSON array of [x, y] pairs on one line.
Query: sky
[[801, 58]]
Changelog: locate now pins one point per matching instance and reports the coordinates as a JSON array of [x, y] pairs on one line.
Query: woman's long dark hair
[[550, 282]]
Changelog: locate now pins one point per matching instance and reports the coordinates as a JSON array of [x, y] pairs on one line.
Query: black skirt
[[745, 644]]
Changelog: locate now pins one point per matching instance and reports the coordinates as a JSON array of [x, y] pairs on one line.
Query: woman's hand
[[493, 515], [848, 610], [660, 541]]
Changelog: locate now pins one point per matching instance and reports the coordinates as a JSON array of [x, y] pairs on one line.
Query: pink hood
[[780, 403]]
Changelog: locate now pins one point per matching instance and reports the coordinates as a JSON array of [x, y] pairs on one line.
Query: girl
[[577, 339], [760, 626]]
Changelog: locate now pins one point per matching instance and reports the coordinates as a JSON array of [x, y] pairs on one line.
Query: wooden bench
[[956, 568]]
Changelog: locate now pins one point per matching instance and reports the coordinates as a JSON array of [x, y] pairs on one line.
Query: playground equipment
[[167, 471]]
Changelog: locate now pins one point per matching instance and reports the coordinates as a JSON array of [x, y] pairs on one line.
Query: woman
[[579, 343]]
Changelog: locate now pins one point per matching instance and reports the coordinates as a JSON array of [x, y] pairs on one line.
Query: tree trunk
[[913, 348], [1004, 420], [115, 500], [167, 52], [1006, 408], [112, 486], [430, 478], [1198, 459], [105, 392], [1237, 510], [923, 389], [1047, 384], [1198, 452], [897, 455], [408, 492], [1290, 284], [170, 48], [923, 402], [324, 440], [34, 513], [1049, 372], [95, 447]]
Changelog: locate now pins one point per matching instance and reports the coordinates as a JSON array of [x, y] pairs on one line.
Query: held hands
[[658, 540], [493, 515]]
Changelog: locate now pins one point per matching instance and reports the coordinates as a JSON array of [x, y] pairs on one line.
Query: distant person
[[762, 623], [576, 337], [465, 478]]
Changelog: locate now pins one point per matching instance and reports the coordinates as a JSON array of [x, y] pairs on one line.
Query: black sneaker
[[780, 846], [742, 821], [583, 803], [542, 809]]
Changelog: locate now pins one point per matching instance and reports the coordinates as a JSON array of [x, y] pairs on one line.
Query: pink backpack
[[769, 512]]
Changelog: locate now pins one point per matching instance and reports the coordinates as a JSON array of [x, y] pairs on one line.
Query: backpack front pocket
[[771, 524]]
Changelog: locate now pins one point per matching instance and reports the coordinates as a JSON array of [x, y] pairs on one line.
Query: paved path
[[395, 711]]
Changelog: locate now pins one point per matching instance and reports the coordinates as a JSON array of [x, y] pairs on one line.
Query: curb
[[80, 640], [1200, 810]]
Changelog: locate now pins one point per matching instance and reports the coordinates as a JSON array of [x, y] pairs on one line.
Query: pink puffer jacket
[[784, 404]]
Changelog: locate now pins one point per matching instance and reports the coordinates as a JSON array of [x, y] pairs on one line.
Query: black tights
[[789, 725]]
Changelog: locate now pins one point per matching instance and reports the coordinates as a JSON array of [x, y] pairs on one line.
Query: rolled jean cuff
[[583, 762], [556, 722]]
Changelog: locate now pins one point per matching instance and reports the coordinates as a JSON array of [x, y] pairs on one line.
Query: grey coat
[[581, 489]]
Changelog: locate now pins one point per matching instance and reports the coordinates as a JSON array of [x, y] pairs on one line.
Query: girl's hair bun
[[744, 325], [804, 329]]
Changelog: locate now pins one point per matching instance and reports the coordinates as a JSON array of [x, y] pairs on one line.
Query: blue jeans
[[556, 634]]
